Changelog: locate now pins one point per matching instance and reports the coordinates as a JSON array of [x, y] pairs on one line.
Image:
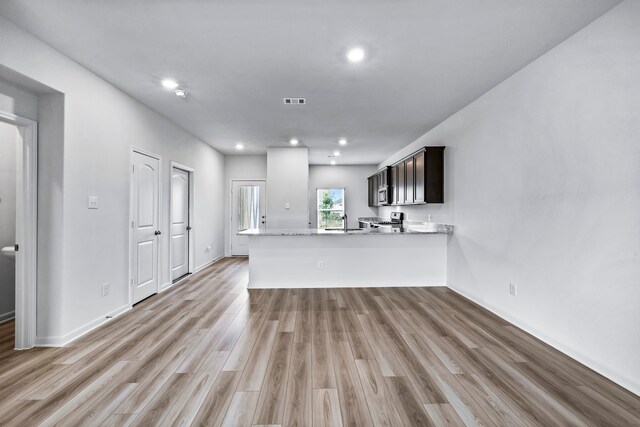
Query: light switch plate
[[287, 206], [92, 202]]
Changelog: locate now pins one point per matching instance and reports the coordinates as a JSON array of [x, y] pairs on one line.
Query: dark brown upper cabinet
[[427, 183], [433, 175], [372, 184], [402, 184], [416, 179], [380, 189], [410, 184], [419, 193]]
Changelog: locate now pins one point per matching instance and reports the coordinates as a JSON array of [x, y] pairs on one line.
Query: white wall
[[18, 101], [543, 185], [85, 150], [239, 167], [287, 183], [51, 233], [353, 179], [8, 165]]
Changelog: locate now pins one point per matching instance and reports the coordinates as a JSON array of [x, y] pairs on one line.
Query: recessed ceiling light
[[333, 162], [342, 141], [336, 153], [170, 83], [293, 141], [239, 146], [356, 54], [181, 93]]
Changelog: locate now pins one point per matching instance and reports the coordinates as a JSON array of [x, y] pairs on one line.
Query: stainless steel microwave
[[383, 195]]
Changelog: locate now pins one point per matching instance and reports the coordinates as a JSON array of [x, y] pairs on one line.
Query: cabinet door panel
[[434, 175], [376, 187], [370, 191], [419, 178], [393, 185], [401, 184], [410, 179]]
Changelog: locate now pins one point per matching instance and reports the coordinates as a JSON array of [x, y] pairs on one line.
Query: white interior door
[[180, 228], [22, 248], [248, 212], [11, 213], [145, 194]]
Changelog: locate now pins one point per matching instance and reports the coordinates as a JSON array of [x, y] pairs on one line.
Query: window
[[248, 207], [330, 207]]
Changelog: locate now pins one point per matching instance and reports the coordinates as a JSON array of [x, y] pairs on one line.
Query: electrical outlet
[[513, 289], [287, 206], [105, 289], [320, 264]]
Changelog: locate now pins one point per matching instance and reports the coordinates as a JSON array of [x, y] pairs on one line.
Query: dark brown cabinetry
[[419, 188], [409, 181], [416, 179], [380, 188], [402, 183], [372, 183], [433, 175]]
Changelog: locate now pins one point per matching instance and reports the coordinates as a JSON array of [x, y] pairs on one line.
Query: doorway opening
[[181, 237], [18, 225], [247, 213]]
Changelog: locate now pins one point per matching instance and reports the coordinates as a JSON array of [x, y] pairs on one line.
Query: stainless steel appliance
[[395, 221], [383, 195]]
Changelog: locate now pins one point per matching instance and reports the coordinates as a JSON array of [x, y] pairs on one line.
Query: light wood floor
[[209, 352]]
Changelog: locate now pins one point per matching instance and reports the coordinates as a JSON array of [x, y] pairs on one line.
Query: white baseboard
[[572, 353], [62, 340], [169, 285], [347, 286], [166, 286], [207, 264], [7, 316]]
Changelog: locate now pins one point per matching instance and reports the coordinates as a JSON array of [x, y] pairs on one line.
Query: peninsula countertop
[[423, 228]]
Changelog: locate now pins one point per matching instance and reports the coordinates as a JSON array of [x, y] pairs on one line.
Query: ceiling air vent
[[294, 101]]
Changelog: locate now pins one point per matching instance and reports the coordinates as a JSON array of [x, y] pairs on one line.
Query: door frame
[[190, 171], [130, 282], [231, 202], [26, 233]]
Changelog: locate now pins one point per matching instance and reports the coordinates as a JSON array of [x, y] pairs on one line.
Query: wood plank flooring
[[209, 352]]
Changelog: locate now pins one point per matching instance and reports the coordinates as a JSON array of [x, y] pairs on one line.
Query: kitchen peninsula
[[379, 257]]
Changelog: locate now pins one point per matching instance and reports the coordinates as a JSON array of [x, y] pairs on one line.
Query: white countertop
[[424, 228]]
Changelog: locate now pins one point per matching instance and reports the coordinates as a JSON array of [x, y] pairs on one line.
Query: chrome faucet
[[346, 227]]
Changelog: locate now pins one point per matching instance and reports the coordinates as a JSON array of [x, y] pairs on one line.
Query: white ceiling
[[239, 58]]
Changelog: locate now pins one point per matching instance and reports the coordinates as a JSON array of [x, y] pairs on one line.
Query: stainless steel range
[[395, 221]]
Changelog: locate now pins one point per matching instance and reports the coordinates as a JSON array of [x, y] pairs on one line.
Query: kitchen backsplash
[[439, 213]]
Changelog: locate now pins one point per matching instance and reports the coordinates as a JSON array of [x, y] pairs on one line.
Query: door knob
[[158, 232], [188, 228]]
